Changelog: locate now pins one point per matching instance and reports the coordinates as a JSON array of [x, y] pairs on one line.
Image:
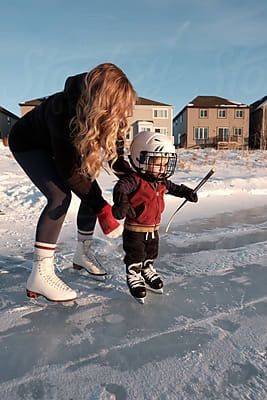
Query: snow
[[204, 338]]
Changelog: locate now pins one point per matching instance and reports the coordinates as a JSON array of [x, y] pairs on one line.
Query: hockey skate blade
[[140, 300], [158, 291]]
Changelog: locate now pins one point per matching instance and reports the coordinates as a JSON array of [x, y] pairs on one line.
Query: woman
[[62, 145]]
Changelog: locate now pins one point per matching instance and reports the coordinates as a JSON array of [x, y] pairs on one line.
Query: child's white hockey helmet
[[153, 154]]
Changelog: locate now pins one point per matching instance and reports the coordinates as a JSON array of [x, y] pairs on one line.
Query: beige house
[[151, 115], [148, 115], [210, 121], [258, 124]]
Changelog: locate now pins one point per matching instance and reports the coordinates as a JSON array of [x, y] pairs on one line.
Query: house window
[[221, 113], [238, 131], [144, 129], [239, 113], [160, 113], [181, 118], [163, 131], [203, 113], [223, 134], [201, 133]]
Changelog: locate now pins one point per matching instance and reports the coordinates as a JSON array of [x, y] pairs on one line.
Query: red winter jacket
[[147, 199]]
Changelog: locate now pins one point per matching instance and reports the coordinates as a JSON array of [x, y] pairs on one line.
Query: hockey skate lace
[[135, 278], [150, 273]]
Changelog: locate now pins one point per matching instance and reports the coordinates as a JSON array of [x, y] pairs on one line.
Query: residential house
[[211, 121], [7, 120], [27, 106], [148, 115], [258, 124]]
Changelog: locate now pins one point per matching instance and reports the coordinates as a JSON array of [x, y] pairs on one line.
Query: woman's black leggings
[[40, 168]]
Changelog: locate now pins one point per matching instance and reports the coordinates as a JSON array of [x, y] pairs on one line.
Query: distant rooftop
[[213, 101], [33, 102], [8, 113], [257, 104], [141, 101]]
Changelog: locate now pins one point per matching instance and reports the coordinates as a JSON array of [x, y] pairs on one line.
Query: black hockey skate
[[152, 278], [136, 283]]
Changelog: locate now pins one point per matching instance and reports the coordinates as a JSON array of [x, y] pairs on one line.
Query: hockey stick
[[201, 183]]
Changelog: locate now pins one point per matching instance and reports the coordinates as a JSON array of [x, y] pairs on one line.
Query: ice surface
[[204, 338]]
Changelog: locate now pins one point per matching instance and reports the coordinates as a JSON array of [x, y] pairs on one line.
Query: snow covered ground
[[205, 338]]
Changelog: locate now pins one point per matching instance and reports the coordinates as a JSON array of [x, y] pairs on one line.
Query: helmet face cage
[[157, 165], [153, 155]]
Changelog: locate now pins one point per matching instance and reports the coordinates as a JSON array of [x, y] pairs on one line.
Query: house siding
[[258, 128], [146, 113], [212, 122], [180, 129], [7, 120], [25, 109]]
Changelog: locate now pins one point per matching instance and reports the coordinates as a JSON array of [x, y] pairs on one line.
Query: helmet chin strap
[[161, 177], [152, 178]]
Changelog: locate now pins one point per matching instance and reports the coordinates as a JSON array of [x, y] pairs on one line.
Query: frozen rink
[[204, 338]]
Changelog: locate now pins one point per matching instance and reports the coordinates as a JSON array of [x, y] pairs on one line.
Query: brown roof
[[33, 102], [142, 101], [212, 101]]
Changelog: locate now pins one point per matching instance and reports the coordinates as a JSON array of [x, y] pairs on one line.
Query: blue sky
[[171, 50]]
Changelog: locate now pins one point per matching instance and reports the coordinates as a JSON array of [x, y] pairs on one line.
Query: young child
[[139, 198]]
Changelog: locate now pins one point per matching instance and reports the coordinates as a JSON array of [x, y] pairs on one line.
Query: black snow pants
[[140, 246]]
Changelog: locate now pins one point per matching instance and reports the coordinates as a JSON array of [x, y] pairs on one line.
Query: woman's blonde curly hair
[[102, 116]]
